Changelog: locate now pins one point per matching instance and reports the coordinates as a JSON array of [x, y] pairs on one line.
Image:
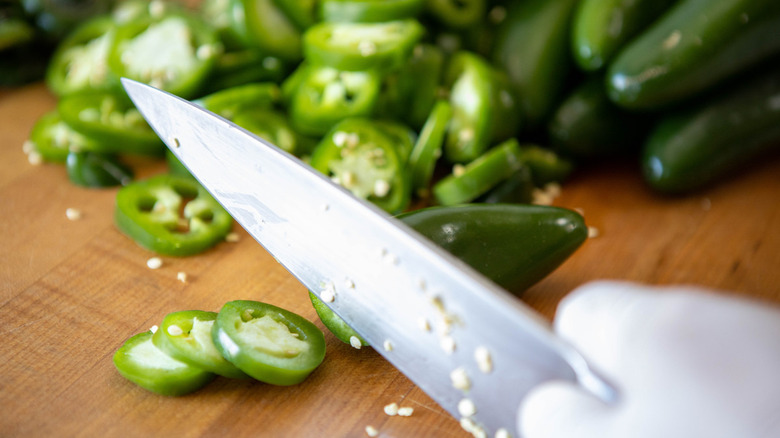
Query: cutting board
[[71, 291]]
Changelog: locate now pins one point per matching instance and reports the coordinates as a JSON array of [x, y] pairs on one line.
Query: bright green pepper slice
[[428, 148], [186, 336], [384, 46], [273, 127], [302, 12], [359, 155], [112, 121], [369, 11], [264, 25], [320, 97], [231, 101], [96, 170], [174, 52], [457, 14], [171, 215], [140, 362], [336, 325], [54, 139], [271, 344], [468, 182]]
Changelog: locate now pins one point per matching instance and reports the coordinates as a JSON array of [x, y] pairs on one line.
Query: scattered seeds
[[371, 431], [460, 379], [406, 411], [467, 408], [354, 341], [154, 263], [73, 214], [232, 238], [424, 324], [388, 346], [484, 359], [593, 232], [447, 344], [181, 276], [153, 329], [175, 330], [503, 433], [391, 409]]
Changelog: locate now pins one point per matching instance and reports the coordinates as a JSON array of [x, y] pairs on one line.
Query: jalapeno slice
[[186, 336], [112, 121], [360, 156], [231, 101], [171, 215], [262, 24], [140, 362], [80, 62], [457, 14], [54, 139], [476, 178], [273, 126], [174, 52], [369, 11], [270, 344], [381, 46], [320, 97], [428, 148], [335, 324], [96, 170]]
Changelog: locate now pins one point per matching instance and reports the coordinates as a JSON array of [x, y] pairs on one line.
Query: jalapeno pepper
[[369, 11], [301, 12], [270, 344], [335, 324], [112, 121], [381, 46], [96, 170], [140, 362], [244, 66], [273, 126], [174, 52], [359, 155], [262, 24], [186, 336], [231, 101], [319, 97], [457, 14], [428, 148], [171, 215], [54, 139]]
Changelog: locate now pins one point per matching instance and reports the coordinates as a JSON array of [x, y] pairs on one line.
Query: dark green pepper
[[244, 66], [171, 215], [694, 46], [710, 140], [96, 170], [457, 14]]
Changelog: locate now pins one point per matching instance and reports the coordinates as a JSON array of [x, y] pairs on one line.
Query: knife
[[471, 346]]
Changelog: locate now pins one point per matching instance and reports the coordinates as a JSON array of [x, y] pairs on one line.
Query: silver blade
[[425, 311]]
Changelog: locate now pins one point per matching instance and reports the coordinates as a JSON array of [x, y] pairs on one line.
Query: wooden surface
[[72, 291]]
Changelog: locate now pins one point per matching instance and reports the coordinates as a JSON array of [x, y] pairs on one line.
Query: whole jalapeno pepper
[[171, 215]]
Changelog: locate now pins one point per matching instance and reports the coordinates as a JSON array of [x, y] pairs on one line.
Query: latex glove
[[688, 363]]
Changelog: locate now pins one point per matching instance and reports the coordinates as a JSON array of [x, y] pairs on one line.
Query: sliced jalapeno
[[359, 155], [427, 149], [320, 97], [174, 52], [96, 170], [457, 14], [381, 46], [262, 24], [271, 344], [477, 177], [231, 101], [302, 12], [244, 66], [186, 336], [171, 215], [112, 121], [54, 139], [140, 362], [369, 11], [273, 126], [335, 324]]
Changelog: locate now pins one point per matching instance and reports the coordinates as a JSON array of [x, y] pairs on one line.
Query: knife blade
[[471, 346]]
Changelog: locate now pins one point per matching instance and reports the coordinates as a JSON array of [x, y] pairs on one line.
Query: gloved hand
[[688, 364]]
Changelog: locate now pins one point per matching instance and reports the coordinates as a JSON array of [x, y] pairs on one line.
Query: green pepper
[[335, 324], [270, 344], [319, 97], [428, 148], [360, 155], [262, 24], [96, 170], [710, 140], [468, 182], [175, 167], [301, 12], [186, 336], [140, 362], [696, 45], [171, 215], [244, 66], [231, 101], [80, 62], [546, 166], [532, 46], [601, 28], [517, 189], [369, 11], [457, 14], [174, 52], [274, 127], [54, 139], [112, 121], [514, 245], [384, 46]]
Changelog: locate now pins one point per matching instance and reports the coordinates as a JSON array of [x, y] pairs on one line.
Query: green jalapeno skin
[[270, 344], [301, 12], [336, 325], [231, 101], [140, 362], [54, 139], [97, 170], [457, 14], [148, 212], [192, 48], [112, 121], [320, 97], [262, 24], [273, 127], [515, 245], [545, 165], [369, 11], [360, 155], [186, 336], [600, 28], [480, 175], [532, 46], [588, 125], [711, 140], [384, 46], [694, 46], [428, 147], [245, 66]]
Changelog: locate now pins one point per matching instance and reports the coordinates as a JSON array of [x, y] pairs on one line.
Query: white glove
[[688, 363]]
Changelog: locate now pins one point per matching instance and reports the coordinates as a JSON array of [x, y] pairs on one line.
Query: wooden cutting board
[[72, 291]]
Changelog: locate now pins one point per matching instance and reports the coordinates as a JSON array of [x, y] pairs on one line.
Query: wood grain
[[72, 291]]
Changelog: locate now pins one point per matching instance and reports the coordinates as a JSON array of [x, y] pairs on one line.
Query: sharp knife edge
[[389, 282]]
